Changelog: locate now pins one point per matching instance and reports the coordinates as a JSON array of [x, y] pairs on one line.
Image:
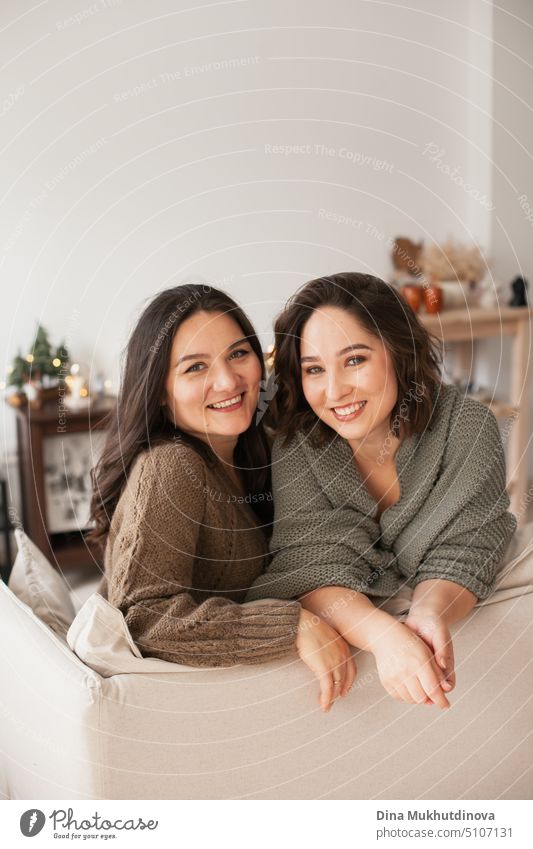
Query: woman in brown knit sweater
[[182, 498]]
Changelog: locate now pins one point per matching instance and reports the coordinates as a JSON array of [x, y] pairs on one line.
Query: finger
[[351, 673], [430, 682], [447, 679], [452, 677], [338, 684], [433, 665], [393, 693], [416, 690], [326, 691], [444, 651], [404, 693], [440, 669], [449, 682], [341, 673], [450, 668]]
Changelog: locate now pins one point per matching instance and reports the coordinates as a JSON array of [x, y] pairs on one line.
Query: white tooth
[[347, 411], [228, 403]]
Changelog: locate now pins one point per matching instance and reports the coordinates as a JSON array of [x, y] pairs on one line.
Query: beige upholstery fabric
[[35, 581], [48, 702], [257, 732], [101, 639]]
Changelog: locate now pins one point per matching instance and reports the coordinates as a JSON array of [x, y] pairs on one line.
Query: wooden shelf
[[476, 323], [463, 327]]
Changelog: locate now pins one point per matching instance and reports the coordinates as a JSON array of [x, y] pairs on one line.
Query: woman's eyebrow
[[190, 357], [206, 356], [238, 342], [357, 346]]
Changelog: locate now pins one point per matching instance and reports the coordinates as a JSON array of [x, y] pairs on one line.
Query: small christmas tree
[[42, 355], [20, 372], [41, 366]]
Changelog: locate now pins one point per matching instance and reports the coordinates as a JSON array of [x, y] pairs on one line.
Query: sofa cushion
[[35, 582], [100, 637]]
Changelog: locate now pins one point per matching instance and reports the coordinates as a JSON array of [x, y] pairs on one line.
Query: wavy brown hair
[[138, 421], [415, 353]]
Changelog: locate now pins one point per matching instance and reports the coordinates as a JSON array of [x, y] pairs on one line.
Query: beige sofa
[[141, 728]]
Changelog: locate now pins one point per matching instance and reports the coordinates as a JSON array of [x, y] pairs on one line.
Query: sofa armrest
[[49, 710]]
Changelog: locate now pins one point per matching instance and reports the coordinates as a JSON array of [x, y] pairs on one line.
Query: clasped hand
[[432, 628], [414, 658]]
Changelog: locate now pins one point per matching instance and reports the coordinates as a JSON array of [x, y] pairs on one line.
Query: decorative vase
[[433, 298], [413, 295]]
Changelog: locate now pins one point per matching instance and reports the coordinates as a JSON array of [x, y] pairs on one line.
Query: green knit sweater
[[451, 520]]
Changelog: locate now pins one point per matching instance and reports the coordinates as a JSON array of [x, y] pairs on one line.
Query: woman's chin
[[348, 430], [230, 424]]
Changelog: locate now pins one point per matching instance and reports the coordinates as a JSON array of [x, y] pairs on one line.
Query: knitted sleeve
[[477, 527], [314, 544], [152, 580]]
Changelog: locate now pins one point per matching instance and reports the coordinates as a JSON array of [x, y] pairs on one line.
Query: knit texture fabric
[[451, 520], [183, 548]]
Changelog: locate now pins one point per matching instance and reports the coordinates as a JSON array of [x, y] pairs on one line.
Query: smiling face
[[213, 380], [348, 377]]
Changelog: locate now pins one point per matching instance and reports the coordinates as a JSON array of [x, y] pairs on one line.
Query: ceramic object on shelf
[[413, 295], [433, 299]]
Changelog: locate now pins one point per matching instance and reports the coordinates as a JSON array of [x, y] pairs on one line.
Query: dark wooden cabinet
[[55, 493]]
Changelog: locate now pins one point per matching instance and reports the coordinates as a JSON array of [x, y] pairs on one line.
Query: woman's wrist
[[378, 631], [445, 599], [353, 615]]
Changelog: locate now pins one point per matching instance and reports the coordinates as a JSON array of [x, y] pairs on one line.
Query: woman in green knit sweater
[[182, 500], [383, 476]]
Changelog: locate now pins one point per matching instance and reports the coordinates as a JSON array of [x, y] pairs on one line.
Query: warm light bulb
[[83, 392], [74, 369], [56, 362], [29, 358]]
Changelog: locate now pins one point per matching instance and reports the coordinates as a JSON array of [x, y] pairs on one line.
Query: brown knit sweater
[[182, 551]]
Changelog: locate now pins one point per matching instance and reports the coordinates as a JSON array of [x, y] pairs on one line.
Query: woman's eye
[[240, 352], [195, 367], [351, 361], [314, 370]]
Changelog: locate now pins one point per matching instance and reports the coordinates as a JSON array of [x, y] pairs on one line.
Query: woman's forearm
[[449, 600], [351, 613]]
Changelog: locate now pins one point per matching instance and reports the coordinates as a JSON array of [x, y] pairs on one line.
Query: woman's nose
[[224, 378], [338, 389]]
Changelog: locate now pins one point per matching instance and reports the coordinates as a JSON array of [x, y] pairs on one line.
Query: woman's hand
[[432, 628], [327, 655], [407, 667]]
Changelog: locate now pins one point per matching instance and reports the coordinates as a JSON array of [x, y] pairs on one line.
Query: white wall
[[511, 235], [131, 159]]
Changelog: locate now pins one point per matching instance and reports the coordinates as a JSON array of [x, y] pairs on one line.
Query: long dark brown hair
[[416, 355], [138, 421]]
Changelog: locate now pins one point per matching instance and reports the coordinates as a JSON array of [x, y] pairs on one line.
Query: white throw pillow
[[35, 582], [101, 639]]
